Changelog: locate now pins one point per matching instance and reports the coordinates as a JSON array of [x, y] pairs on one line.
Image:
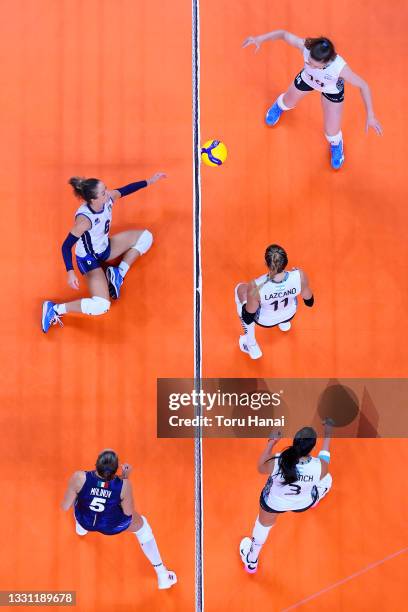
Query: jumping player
[[103, 502], [90, 234], [271, 299], [297, 481], [325, 71]]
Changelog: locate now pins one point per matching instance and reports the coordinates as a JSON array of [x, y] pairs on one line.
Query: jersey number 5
[[97, 504]]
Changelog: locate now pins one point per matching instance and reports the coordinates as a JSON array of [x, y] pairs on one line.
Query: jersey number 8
[[97, 504], [107, 226]]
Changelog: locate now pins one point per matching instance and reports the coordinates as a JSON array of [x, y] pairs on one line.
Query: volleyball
[[214, 153]]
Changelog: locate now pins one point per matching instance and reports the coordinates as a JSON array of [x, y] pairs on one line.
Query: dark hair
[[83, 187], [321, 49], [303, 442], [107, 464], [276, 258]]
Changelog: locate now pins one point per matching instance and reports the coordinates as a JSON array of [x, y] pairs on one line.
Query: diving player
[[90, 235], [103, 501]]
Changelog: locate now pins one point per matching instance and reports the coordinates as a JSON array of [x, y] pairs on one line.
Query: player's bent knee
[[95, 305], [144, 242], [145, 533]]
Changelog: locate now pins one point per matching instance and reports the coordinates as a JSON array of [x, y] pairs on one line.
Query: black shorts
[[276, 324], [303, 86], [264, 505]]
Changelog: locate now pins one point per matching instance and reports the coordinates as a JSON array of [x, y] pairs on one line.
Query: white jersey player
[[93, 247], [324, 71], [297, 481], [271, 299]]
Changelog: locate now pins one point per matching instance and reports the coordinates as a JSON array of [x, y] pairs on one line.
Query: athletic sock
[[250, 333], [281, 103], [60, 309], [123, 268], [259, 536], [336, 139], [148, 545]]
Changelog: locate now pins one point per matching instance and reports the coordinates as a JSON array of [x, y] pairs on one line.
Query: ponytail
[[303, 442], [287, 465]]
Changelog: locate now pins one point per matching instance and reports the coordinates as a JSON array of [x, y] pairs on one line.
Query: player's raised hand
[[373, 123], [73, 282], [253, 40], [126, 469], [328, 425], [274, 437], [156, 177]]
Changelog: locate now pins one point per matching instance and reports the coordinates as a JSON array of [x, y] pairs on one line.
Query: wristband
[[324, 456], [131, 188]]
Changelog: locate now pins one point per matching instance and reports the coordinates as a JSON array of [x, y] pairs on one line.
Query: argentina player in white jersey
[[93, 246], [324, 71], [103, 502], [271, 299], [297, 482]]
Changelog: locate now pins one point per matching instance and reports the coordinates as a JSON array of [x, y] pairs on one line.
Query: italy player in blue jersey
[[103, 501], [90, 235]]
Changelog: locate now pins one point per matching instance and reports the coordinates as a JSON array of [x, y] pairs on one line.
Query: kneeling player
[[103, 502]]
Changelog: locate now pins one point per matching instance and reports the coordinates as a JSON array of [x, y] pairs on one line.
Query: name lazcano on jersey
[[279, 294], [100, 492]]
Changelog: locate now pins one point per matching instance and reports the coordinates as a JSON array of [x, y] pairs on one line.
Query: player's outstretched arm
[[350, 77], [121, 192], [266, 460], [75, 484], [291, 39], [324, 454], [305, 290]]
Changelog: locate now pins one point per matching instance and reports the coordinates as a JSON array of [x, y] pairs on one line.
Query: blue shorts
[[106, 528], [92, 262]]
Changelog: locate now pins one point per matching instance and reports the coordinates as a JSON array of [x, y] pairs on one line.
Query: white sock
[[123, 268], [250, 333], [259, 536], [152, 553], [60, 308], [336, 139], [281, 103]]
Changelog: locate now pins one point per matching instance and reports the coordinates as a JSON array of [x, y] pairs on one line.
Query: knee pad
[[95, 305], [144, 242], [145, 533]]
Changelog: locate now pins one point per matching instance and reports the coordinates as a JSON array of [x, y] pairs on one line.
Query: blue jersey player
[[90, 235], [103, 502]]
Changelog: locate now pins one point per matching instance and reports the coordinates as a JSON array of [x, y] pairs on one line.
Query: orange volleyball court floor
[[103, 88]]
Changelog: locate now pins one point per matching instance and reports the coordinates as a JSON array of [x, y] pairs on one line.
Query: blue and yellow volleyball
[[214, 153]]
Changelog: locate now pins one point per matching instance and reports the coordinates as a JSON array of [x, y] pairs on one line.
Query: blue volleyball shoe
[[273, 115], [49, 316], [115, 281], [337, 155]]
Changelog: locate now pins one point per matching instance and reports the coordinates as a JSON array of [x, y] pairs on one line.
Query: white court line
[[336, 584]]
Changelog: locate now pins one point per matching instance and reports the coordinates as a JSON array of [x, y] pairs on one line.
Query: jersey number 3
[[97, 504]]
